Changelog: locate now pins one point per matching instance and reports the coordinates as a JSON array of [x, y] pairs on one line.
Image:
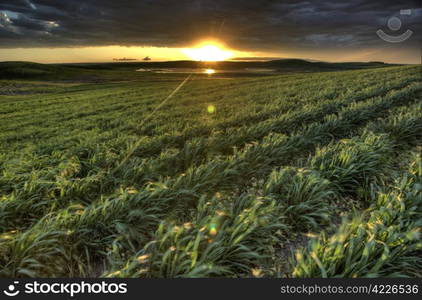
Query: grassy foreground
[[291, 175]]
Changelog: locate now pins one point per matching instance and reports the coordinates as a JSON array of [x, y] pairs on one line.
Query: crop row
[[136, 214], [254, 161], [228, 237]]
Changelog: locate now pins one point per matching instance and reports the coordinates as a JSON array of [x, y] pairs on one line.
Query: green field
[[315, 173]]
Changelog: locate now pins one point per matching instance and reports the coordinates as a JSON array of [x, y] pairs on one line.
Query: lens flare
[[213, 230], [211, 109]]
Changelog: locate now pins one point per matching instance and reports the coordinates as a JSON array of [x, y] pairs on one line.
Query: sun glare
[[209, 71], [207, 52]]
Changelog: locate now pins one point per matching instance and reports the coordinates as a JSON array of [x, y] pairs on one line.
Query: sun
[[208, 52]]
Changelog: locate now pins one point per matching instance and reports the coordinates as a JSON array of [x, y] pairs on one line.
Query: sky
[[102, 30]]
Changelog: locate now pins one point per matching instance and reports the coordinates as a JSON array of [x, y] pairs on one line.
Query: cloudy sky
[[100, 30]]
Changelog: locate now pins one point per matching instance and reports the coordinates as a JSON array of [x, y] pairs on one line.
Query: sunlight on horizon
[[98, 54], [109, 53], [208, 52]]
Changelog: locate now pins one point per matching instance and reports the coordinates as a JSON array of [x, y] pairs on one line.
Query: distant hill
[[280, 65], [299, 64], [22, 70], [90, 71]]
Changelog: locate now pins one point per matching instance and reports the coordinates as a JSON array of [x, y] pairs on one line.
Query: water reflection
[[207, 71]]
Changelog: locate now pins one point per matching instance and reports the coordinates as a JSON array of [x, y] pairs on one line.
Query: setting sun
[[208, 52]]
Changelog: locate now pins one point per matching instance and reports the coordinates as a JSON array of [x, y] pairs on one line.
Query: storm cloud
[[259, 25]]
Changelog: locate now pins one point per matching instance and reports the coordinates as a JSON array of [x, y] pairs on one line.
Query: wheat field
[[295, 175]]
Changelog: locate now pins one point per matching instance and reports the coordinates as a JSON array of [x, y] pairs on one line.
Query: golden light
[[208, 52], [209, 71]]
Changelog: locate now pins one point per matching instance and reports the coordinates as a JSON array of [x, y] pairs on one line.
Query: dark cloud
[[261, 25]]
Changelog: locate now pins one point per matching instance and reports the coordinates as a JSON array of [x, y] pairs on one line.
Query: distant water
[[205, 71]]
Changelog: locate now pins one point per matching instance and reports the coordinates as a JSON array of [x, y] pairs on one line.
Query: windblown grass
[[213, 195]]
